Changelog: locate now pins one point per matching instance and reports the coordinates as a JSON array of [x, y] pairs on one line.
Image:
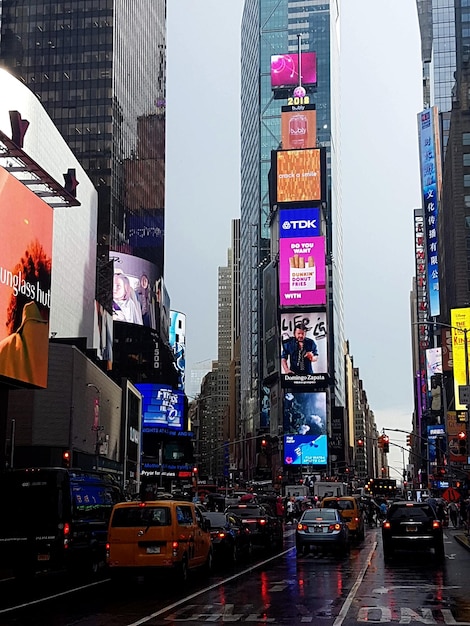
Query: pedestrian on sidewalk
[[454, 514]]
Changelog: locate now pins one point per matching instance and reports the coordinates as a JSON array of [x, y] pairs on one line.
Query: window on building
[[466, 159], [466, 139], [466, 180]]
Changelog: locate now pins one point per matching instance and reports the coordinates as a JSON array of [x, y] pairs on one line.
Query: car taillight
[[108, 548], [221, 535], [174, 548], [333, 527], [302, 526], [263, 522], [386, 525], [436, 524], [66, 535]]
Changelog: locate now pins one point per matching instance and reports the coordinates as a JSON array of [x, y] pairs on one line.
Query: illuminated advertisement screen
[[298, 127], [459, 318], [305, 413], [305, 450], [162, 407], [25, 283], [146, 236], [435, 432], [177, 340], [285, 69], [135, 287], [433, 363], [304, 350], [302, 271], [270, 321], [299, 175], [430, 161]]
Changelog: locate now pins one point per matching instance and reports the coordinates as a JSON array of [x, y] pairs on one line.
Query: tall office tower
[[99, 70], [269, 29]]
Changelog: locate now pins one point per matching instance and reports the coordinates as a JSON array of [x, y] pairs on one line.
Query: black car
[[413, 526], [265, 528], [322, 529], [231, 540]]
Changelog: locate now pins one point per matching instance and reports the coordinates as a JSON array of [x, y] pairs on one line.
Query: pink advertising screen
[[285, 69], [302, 271]]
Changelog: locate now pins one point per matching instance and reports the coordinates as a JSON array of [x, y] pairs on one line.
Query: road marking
[[345, 608], [412, 587]]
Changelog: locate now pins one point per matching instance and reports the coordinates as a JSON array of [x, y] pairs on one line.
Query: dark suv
[[412, 526], [264, 527]]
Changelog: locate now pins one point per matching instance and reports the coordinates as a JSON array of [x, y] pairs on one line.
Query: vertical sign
[[460, 318]]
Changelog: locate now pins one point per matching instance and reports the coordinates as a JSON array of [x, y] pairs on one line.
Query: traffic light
[[409, 440], [386, 444], [380, 442], [360, 443], [462, 437], [66, 458]]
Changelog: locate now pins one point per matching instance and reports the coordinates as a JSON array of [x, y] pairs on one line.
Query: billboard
[[285, 70], [302, 271], [430, 165], [305, 413], [135, 287], [298, 127], [299, 175], [304, 349], [454, 427], [459, 318], [162, 407], [305, 450], [25, 283], [433, 363], [177, 340]]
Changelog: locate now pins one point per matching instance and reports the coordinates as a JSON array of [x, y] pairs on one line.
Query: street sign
[[464, 394]]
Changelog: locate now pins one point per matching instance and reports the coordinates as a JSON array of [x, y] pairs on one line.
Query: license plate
[[44, 557], [153, 550], [411, 529], [318, 529]]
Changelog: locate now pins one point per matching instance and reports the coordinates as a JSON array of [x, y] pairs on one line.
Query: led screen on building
[[298, 127], [299, 175], [302, 271], [459, 318], [162, 407], [25, 283], [305, 413], [135, 290], [285, 71], [304, 350], [177, 340], [305, 450], [430, 161], [433, 363], [270, 321]]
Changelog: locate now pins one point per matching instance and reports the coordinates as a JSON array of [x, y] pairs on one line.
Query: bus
[[55, 518]]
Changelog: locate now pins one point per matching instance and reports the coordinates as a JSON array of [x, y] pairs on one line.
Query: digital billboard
[[305, 413], [25, 283], [305, 450], [459, 319], [298, 127], [430, 163], [302, 271], [304, 349], [162, 407], [433, 363], [270, 321], [299, 175], [177, 340], [135, 287], [285, 71]]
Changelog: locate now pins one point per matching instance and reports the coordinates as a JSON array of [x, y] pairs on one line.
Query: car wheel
[[209, 562], [439, 551], [249, 550], [362, 534], [183, 571], [234, 553]]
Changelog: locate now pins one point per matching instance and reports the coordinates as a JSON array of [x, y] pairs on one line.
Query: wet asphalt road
[[286, 590]]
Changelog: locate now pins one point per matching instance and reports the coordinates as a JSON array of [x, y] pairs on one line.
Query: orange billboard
[[25, 283], [299, 175], [298, 128]]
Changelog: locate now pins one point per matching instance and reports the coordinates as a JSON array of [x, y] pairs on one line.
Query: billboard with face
[[134, 290], [305, 450], [285, 70], [305, 413], [25, 283], [302, 271], [299, 175], [162, 407], [304, 349]]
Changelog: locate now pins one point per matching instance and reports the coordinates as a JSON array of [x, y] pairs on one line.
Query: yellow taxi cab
[[351, 512], [166, 535]]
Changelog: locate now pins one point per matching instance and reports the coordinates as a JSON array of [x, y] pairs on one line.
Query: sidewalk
[[463, 539]]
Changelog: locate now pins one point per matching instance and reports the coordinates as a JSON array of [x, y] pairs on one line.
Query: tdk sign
[[299, 222]]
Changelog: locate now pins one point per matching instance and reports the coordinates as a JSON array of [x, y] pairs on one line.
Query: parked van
[[351, 512], [157, 535]]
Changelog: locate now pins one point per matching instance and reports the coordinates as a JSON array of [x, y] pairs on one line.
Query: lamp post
[[96, 427]]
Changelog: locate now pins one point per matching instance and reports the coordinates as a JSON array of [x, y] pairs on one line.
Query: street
[[271, 588]]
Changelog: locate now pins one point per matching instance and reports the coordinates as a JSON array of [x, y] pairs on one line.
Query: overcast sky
[[380, 98]]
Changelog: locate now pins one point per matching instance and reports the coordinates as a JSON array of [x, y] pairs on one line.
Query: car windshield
[[345, 505], [247, 511], [407, 512], [328, 515], [140, 516]]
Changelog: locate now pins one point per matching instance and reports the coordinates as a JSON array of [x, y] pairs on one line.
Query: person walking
[[454, 514]]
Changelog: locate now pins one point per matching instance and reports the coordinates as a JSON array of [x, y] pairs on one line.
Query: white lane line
[[345, 608], [210, 588], [53, 597]]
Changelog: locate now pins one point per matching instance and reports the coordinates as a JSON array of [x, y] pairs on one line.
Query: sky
[[380, 99]]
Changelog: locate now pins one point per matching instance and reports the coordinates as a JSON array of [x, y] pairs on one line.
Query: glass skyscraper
[[272, 27]]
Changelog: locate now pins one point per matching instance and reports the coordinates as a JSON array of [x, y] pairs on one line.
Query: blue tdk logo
[[295, 222]]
